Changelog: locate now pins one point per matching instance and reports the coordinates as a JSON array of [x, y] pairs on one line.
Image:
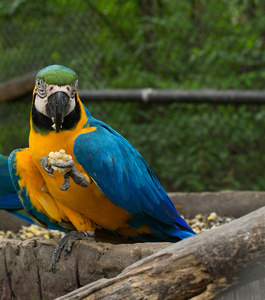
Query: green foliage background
[[186, 44]]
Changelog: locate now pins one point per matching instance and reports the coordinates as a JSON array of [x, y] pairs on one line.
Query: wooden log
[[200, 267], [235, 203], [226, 203], [18, 87], [26, 266]]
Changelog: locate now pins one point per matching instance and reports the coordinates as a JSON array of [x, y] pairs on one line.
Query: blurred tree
[[158, 43], [189, 44]]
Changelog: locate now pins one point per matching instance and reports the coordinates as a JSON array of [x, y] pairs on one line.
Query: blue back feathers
[[123, 176]]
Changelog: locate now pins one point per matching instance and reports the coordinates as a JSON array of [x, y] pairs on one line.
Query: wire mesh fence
[[135, 44], [151, 43], [35, 34]]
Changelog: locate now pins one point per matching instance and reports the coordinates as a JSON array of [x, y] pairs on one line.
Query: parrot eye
[[41, 88], [74, 88]]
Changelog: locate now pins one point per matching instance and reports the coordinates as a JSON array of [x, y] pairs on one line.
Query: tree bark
[[25, 267], [200, 267], [204, 259]]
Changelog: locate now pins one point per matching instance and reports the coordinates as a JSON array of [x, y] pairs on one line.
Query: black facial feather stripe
[[44, 123]]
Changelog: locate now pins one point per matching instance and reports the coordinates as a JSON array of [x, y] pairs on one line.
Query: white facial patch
[[41, 102]]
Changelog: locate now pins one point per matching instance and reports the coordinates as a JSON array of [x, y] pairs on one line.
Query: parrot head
[[55, 104]]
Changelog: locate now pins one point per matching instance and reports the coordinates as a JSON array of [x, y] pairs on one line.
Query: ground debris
[[27, 232], [199, 223], [202, 223]]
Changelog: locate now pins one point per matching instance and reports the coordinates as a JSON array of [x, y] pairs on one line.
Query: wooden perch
[[234, 246], [26, 266], [17, 87], [226, 203], [200, 267]]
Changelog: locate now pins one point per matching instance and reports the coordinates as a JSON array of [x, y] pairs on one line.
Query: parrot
[[80, 176]]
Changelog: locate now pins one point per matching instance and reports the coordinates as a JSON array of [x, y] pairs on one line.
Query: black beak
[[57, 108]]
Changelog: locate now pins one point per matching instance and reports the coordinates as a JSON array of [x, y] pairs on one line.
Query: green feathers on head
[[58, 75]]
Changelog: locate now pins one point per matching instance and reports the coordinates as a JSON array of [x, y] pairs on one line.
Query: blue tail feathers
[[9, 199]]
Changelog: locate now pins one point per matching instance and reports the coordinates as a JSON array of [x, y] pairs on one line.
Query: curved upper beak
[[57, 108]]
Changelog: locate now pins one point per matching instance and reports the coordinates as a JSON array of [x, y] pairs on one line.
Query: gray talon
[[66, 243], [66, 183], [48, 168]]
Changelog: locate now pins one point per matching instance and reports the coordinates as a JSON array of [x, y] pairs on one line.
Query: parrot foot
[[77, 177], [66, 244], [48, 168], [68, 170], [66, 183]]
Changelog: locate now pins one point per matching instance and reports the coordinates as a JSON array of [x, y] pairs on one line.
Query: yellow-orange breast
[[90, 202]]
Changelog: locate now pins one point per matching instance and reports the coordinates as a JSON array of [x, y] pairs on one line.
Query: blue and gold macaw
[[79, 174]]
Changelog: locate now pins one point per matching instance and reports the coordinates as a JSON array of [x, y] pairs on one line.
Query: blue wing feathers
[[6, 184], [10, 201], [8, 196], [124, 177]]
